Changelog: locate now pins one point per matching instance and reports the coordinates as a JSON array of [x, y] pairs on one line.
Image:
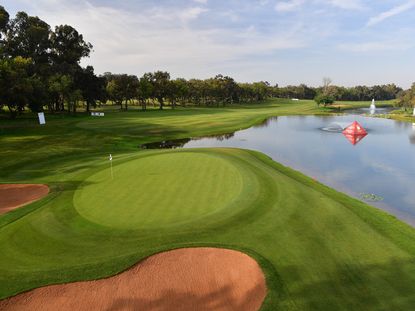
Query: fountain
[[372, 107], [336, 127]]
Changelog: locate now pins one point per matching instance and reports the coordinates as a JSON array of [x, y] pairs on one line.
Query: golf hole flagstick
[[110, 158]]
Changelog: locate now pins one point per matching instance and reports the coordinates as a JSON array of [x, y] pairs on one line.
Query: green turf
[[320, 249], [160, 190]]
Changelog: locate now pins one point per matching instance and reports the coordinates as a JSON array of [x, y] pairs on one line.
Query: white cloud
[[191, 13], [392, 12], [287, 6], [347, 4], [201, 1], [163, 38], [292, 5], [375, 46], [263, 2]]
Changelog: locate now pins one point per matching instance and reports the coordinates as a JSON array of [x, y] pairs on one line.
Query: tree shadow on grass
[[71, 185]]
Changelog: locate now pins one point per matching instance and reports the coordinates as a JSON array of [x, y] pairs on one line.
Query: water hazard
[[378, 168]]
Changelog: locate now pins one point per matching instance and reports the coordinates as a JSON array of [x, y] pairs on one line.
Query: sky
[[353, 42]]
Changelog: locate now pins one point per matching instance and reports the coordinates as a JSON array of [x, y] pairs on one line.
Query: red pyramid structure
[[354, 133], [355, 129]]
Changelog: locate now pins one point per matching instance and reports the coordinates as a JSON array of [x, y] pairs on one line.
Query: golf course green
[[166, 189], [319, 249]]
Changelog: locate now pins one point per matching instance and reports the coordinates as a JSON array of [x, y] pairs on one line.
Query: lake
[[378, 168]]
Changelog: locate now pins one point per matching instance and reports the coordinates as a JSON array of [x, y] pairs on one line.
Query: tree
[[68, 46], [28, 37], [122, 88], [327, 94], [323, 99], [260, 90], [92, 88], [406, 98], [40, 95], [114, 90], [60, 87], [160, 81], [182, 87], [197, 91], [51, 62], [15, 84], [4, 20], [326, 83], [145, 91]]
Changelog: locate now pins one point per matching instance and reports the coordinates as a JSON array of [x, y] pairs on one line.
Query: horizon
[[285, 42]]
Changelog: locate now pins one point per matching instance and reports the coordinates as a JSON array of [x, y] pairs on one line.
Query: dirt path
[[183, 279], [15, 195]]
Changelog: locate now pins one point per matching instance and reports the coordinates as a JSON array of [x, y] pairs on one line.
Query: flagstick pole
[[112, 176]]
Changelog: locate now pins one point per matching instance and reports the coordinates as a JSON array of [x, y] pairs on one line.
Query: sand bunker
[[183, 279], [15, 195]]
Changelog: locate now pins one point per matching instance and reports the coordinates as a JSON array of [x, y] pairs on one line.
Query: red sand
[[183, 279], [16, 195]]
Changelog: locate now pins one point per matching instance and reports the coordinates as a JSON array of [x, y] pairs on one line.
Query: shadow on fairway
[[357, 287], [71, 185]]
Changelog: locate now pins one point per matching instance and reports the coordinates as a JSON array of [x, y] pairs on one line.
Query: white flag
[[110, 157]]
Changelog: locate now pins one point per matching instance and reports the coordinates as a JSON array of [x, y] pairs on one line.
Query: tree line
[[341, 93], [40, 70], [158, 87]]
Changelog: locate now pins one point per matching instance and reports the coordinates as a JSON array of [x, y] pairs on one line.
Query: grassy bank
[[346, 105], [319, 249]]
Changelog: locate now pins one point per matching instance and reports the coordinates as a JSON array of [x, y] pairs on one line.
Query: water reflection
[[354, 139], [412, 135], [166, 144], [266, 122]]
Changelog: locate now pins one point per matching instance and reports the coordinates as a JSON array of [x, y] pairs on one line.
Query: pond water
[[378, 168]]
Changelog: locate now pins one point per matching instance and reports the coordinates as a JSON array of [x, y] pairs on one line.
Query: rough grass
[[320, 249]]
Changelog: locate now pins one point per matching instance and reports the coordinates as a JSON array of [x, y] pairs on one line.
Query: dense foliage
[[406, 99], [356, 93]]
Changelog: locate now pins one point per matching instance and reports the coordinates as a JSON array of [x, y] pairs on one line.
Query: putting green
[[165, 189]]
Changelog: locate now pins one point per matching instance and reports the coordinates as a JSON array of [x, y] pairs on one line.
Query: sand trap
[[15, 195], [183, 279]]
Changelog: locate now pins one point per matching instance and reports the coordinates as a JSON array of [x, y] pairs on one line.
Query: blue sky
[[286, 42]]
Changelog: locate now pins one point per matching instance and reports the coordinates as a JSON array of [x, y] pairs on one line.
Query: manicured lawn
[[163, 190], [320, 249]]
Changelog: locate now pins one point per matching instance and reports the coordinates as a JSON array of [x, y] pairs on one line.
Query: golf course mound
[[13, 196], [181, 279], [161, 190]]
